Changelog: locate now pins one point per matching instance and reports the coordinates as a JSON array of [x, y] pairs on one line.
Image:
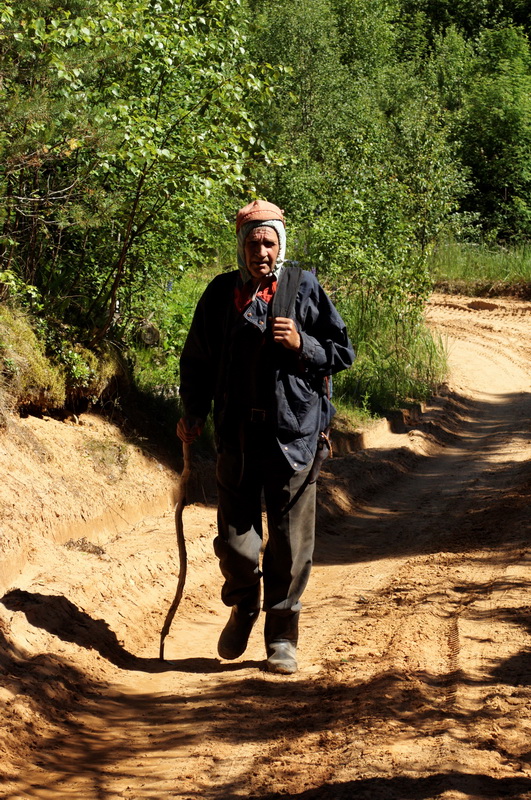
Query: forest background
[[395, 134]]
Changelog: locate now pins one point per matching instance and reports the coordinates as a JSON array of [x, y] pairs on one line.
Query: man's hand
[[189, 428], [285, 333]]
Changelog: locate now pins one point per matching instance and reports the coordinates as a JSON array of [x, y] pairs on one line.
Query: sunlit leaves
[[120, 113]]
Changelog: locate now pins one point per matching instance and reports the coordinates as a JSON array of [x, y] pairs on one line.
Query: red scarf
[[244, 294]]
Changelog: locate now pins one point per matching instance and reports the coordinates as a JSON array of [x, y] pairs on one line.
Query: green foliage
[[496, 133], [367, 35], [41, 367], [124, 122], [155, 368], [430, 18], [372, 177], [302, 39], [87, 374]]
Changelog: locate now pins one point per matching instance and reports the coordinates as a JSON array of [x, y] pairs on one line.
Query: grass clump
[[84, 546], [398, 360], [28, 377], [480, 264], [88, 375], [42, 369]]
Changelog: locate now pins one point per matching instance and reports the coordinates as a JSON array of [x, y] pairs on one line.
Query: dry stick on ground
[[181, 545]]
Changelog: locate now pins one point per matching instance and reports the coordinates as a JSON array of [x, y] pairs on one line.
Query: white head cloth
[[244, 232]]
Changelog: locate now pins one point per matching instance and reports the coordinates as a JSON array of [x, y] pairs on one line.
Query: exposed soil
[[415, 653]]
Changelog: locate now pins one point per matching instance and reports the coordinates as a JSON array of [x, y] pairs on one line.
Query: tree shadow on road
[[398, 502], [62, 618], [338, 717], [326, 720], [401, 788]]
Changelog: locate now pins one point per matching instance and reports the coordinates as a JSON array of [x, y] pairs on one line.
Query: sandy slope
[[415, 677]]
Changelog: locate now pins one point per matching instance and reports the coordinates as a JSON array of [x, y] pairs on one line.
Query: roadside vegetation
[[479, 269], [395, 134]]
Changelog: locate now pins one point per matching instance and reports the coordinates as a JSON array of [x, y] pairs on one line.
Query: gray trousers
[[242, 475]]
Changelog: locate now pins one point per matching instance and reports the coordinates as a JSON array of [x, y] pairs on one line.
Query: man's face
[[261, 252]]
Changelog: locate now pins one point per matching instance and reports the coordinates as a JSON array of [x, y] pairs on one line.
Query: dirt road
[[415, 654]]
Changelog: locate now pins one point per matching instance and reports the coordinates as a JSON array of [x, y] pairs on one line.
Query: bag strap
[[283, 304]]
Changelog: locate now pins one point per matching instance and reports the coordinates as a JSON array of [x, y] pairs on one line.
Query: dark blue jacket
[[211, 365]]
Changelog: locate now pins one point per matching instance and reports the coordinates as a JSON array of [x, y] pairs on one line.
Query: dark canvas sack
[[283, 305]]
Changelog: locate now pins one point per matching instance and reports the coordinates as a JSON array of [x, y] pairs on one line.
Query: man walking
[[266, 378]]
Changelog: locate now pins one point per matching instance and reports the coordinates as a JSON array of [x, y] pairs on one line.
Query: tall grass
[[471, 262], [398, 361]]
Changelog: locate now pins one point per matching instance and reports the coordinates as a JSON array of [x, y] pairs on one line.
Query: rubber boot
[[281, 635], [235, 635]]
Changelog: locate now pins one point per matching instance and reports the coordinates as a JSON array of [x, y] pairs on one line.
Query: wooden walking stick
[[181, 546]]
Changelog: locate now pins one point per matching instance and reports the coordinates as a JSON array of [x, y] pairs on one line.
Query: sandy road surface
[[415, 655]]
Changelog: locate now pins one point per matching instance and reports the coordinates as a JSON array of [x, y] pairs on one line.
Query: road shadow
[[244, 711], [62, 618], [400, 788], [384, 503], [516, 669], [250, 711]]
